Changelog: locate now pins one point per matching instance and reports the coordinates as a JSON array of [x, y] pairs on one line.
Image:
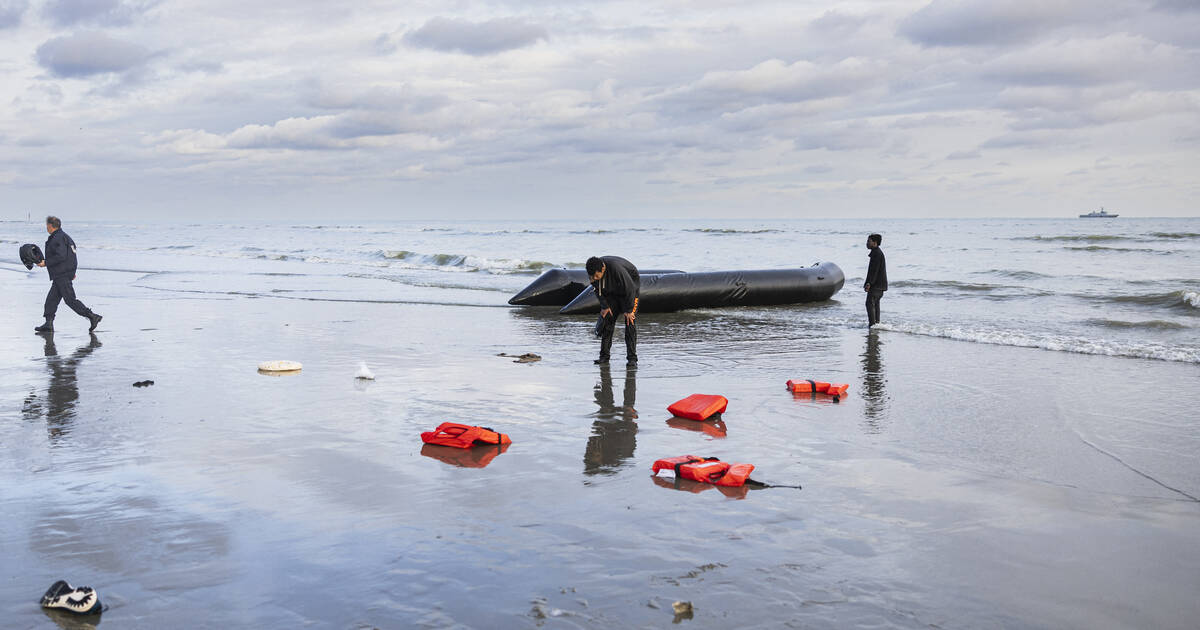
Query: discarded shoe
[[83, 600]]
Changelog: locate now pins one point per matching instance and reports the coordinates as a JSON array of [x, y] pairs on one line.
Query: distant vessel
[[1099, 214]]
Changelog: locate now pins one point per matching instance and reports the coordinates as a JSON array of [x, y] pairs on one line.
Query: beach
[[961, 483]]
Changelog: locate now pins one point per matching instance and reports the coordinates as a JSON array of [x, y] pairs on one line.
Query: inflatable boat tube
[[763, 287], [557, 287]]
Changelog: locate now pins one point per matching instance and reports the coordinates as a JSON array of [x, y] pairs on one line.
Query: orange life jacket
[[463, 435], [804, 386], [706, 469], [699, 406]]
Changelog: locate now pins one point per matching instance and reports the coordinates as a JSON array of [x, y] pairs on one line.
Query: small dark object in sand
[[528, 357], [143, 383]]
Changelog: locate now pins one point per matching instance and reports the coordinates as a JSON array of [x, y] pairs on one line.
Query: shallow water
[[959, 484]]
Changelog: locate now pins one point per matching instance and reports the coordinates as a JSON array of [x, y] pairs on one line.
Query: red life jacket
[[699, 406], [803, 386], [463, 436], [706, 469]]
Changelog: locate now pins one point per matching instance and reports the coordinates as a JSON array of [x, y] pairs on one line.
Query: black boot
[[47, 327], [95, 319]]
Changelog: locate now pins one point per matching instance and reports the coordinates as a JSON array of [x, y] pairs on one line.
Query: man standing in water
[[617, 284], [61, 263], [876, 282]]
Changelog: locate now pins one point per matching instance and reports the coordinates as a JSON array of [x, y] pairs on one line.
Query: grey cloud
[[837, 24], [986, 22], [1177, 5], [85, 54], [11, 12], [1035, 138], [842, 138], [475, 38], [101, 12], [964, 155]]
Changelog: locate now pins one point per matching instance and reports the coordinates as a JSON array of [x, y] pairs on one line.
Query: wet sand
[[957, 485]]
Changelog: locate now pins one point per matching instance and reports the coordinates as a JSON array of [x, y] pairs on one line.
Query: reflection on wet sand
[[71, 621], [696, 487], [474, 457], [715, 428], [62, 393], [873, 386], [614, 432]]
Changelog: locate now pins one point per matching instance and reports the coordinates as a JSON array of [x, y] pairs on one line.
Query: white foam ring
[[1057, 343]]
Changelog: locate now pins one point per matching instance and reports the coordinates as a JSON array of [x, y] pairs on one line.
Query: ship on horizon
[[1099, 214]]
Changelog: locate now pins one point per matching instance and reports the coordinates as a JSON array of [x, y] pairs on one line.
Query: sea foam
[[1058, 343]]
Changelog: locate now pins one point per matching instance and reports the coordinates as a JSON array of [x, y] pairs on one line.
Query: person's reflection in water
[[873, 388], [58, 406], [614, 433]]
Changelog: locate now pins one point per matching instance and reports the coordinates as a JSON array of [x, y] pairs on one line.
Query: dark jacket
[[60, 256], [620, 285], [877, 271]]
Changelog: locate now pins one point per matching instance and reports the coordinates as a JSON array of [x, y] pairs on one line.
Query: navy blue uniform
[[618, 290], [62, 264], [876, 284]]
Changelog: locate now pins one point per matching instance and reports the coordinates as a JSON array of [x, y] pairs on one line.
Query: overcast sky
[[553, 108]]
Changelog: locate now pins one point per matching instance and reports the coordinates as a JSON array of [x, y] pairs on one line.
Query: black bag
[[31, 255]]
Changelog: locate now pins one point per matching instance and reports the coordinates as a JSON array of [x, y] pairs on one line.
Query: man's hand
[[867, 287], [629, 317], [606, 312], [42, 264]]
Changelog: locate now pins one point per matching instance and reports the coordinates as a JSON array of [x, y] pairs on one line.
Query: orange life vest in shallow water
[[699, 406], [706, 469], [803, 386], [463, 435]]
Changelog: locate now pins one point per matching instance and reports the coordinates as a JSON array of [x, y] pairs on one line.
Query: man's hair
[[593, 265], [54, 222], [877, 238]]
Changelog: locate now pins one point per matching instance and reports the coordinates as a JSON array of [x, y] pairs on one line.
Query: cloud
[[1119, 57], [986, 22], [11, 12], [100, 12], [475, 38], [86, 54], [964, 155]]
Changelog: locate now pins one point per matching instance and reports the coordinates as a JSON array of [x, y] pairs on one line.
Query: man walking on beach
[[617, 284], [876, 282], [61, 263]]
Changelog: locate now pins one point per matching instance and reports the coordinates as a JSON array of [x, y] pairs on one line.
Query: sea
[[1127, 287], [1017, 447]]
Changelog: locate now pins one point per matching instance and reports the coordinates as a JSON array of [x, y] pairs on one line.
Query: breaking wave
[[734, 231], [1188, 300], [464, 263], [1103, 248], [1057, 343], [1175, 235], [1076, 238], [1153, 324]]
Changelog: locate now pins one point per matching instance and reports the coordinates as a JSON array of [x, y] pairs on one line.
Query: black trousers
[[606, 338], [873, 297], [62, 290]]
